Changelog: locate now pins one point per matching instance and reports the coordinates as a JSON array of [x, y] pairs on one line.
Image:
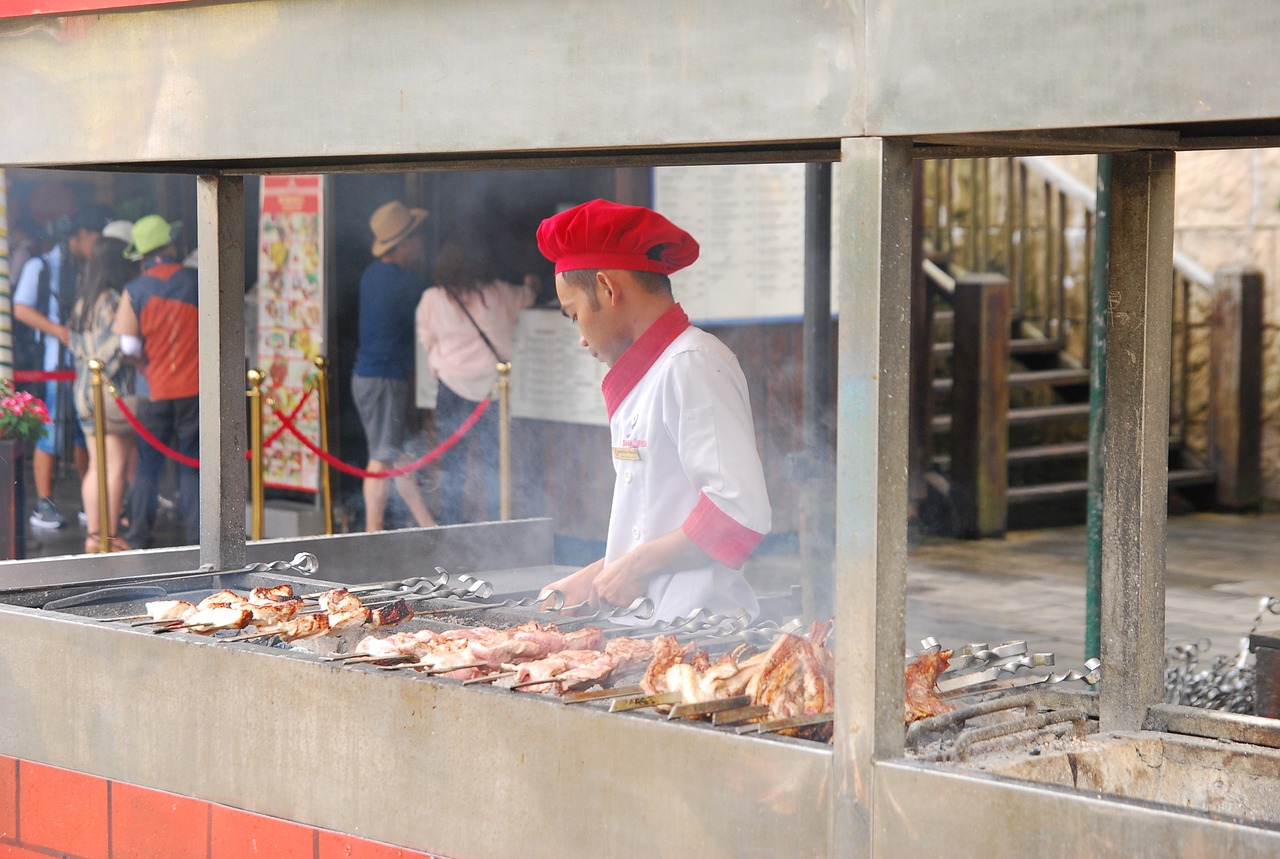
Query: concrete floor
[[1030, 585]]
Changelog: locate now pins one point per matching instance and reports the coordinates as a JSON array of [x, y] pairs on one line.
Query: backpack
[[28, 343]]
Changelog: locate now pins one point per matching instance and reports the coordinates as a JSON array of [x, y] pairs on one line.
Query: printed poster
[[290, 321], [749, 221]]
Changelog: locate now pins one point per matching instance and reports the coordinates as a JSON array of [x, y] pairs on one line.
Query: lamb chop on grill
[[922, 699], [796, 679], [667, 651]]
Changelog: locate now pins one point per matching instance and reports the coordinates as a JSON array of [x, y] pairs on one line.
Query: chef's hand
[[618, 584], [628, 577], [576, 587]]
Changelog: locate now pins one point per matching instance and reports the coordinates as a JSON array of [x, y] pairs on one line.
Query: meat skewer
[[165, 611], [210, 620]]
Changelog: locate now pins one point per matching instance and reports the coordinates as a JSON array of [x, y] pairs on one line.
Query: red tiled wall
[[50, 811]]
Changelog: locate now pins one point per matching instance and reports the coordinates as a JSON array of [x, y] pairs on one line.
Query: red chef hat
[[601, 234]]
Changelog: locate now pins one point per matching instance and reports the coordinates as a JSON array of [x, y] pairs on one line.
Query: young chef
[[689, 499]]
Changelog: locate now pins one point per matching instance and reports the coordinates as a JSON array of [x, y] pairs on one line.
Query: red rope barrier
[[151, 439], [431, 455], [21, 377], [286, 423], [279, 431]]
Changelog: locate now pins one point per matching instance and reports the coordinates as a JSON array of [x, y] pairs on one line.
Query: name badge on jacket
[[630, 453]]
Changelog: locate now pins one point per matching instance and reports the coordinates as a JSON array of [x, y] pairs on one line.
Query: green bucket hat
[[150, 233]]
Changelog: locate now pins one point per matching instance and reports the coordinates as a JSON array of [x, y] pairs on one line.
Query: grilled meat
[[273, 594], [470, 633], [796, 679], [273, 613], [400, 644], [340, 622], [221, 599], [565, 671], [205, 621], [170, 610], [666, 653], [302, 626], [530, 641], [922, 699], [390, 615], [629, 653], [587, 638], [339, 601]]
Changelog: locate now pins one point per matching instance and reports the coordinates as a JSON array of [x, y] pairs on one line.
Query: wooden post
[[980, 405], [1235, 387]]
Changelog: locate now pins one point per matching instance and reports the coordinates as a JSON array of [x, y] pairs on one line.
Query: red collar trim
[[628, 370], [163, 270]]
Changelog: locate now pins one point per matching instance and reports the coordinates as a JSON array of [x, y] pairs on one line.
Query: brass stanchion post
[[504, 441], [326, 486], [257, 494], [100, 450]]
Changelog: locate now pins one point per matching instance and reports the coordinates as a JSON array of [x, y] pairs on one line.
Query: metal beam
[[874, 282], [1136, 445], [223, 477]]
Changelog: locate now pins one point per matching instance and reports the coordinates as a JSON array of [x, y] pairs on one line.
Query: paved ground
[[1030, 585]]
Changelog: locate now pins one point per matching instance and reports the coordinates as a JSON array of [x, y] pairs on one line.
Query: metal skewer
[[488, 678]]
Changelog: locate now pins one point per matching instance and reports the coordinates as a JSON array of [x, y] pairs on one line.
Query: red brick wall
[[46, 811]]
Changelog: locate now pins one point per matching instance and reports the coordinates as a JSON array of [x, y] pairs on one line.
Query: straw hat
[[392, 223]]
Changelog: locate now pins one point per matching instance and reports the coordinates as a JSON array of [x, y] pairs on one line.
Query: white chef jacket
[[684, 453]]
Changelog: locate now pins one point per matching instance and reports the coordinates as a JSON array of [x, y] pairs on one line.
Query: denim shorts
[[52, 441]]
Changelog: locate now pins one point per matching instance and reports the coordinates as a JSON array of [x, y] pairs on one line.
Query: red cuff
[[719, 534]]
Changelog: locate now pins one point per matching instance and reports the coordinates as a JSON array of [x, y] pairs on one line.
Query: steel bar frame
[[868, 82]]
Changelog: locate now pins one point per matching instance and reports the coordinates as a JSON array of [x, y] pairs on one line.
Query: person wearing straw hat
[[158, 321], [381, 379], [689, 498]]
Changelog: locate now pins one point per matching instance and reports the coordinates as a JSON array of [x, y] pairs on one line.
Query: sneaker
[[46, 516]]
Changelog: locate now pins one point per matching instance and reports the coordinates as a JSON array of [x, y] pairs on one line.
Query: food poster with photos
[[290, 322]]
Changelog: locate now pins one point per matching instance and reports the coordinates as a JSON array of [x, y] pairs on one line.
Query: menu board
[[290, 320], [749, 221], [553, 378]]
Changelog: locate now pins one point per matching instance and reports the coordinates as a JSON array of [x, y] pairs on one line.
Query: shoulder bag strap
[[479, 330]]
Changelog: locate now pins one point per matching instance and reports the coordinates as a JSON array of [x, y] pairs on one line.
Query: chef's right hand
[[576, 587]]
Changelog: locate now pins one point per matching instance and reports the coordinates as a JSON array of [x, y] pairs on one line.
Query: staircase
[[1037, 232]]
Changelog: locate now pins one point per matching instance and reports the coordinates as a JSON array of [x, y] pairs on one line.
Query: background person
[[158, 323], [383, 372], [92, 336], [689, 498], [46, 286], [466, 323]]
